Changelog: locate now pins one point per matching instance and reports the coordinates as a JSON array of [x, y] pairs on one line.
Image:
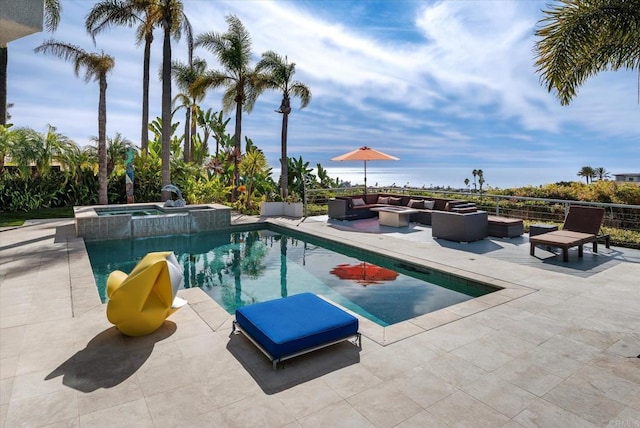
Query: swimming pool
[[248, 266]]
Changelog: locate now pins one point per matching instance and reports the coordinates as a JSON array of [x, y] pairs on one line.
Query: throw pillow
[[415, 203], [429, 204], [395, 201], [358, 202], [383, 200]]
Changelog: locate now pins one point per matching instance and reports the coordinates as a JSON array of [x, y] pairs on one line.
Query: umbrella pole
[[365, 177]]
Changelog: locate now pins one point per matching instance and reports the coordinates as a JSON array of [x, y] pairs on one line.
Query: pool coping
[[84, 294]]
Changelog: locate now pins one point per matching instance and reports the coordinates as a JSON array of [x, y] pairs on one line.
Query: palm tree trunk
[[102, 142], [144, 136], [4, 61], [166, 104], [236, 157], [284, 170], [187, 135], [194, 115]]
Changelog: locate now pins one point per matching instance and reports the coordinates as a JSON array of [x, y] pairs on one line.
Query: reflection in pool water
[[241, 268]]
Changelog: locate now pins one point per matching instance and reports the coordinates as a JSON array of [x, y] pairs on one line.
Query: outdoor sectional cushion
[[395, 201], [293, 324], [415, 203], [383, 200], [428, 205], [358, 202]]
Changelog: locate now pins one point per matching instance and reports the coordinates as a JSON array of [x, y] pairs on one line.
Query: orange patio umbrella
[[364, 154], [364, 273]]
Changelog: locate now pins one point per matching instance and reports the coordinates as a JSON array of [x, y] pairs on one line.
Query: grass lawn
[[18, 218]]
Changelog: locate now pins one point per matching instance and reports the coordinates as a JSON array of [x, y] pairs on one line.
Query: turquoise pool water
[[244, 267]]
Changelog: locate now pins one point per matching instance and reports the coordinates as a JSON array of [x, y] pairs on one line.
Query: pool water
[[244, 267]]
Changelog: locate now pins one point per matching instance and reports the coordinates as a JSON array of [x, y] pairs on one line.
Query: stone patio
[[557, 347]]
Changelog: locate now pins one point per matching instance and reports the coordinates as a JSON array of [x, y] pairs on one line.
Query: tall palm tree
[[52, 12], [147, 15], [581, 38], [279, 75], [233, 51], [587, 172], [475, 174], [185, 75], [96, 68]]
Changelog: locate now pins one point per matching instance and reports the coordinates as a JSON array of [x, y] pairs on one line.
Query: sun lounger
[[292, 326], [581, 226]]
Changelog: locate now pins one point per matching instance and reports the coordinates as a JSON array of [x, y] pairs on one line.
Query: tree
[[117, 149], [96, 68], [466, 182], [587, 172], [279, 75], [147, 15], [185, 75], [475, 174], [581, 38], [233, 51], [601, 173], [52, 12], [480, 178]]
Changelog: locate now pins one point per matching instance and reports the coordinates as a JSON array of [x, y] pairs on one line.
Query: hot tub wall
[[92, 227]]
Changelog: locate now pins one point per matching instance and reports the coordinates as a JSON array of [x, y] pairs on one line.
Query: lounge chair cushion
[[415, 203], [295, 323], [428, 205], [358, 202]]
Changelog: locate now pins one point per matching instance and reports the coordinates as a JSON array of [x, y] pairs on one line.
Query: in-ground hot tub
[[100, 222]]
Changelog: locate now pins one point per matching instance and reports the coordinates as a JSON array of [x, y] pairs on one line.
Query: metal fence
[[617, 216]]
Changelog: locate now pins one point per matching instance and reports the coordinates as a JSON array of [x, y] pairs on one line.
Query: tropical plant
[[299, 176], [580, 38], [52, 12], [96, 68], [278, 76], [233, 51], [185, 76], [215, 123], [587, 172], [6, 140], [601, 174], [28, 148], [254, 169], [117, 149]]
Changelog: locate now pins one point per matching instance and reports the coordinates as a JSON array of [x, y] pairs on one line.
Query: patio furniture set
[[458, 220], [451, 219]]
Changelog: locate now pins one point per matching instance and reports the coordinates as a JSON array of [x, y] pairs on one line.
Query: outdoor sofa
[[359, 206]]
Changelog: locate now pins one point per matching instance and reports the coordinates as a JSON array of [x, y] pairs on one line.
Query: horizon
[[437, 84]]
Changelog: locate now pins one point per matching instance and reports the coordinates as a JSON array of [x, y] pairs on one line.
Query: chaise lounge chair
[[581, 226]]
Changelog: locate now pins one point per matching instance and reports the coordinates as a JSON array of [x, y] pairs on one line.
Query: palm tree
[[279, 73], [480, 178], [587, 172], [148, 15], [233, 50], [581, 38], [466, 182], [117, 149], [475, 174], [185, 76], [601, 173], [52, 12], [96, 68]]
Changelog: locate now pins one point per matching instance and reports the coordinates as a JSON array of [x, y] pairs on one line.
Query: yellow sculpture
[[141, 301]]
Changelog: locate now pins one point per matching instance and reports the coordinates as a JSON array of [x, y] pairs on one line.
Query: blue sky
[[438, 84]]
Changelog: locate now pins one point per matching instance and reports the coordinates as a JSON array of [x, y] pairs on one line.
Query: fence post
[[497, 206]]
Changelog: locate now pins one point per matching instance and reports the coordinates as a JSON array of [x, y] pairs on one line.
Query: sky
[[446, 86]]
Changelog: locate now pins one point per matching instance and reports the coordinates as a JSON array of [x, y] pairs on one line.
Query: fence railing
[[617, 216]]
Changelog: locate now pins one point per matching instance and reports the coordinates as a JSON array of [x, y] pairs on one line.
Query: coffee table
[[394, 216]]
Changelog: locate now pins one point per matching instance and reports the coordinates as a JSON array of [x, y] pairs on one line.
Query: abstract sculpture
[[141, 301]]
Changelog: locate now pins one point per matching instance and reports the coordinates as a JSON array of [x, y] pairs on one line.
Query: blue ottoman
[[291, 326]]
